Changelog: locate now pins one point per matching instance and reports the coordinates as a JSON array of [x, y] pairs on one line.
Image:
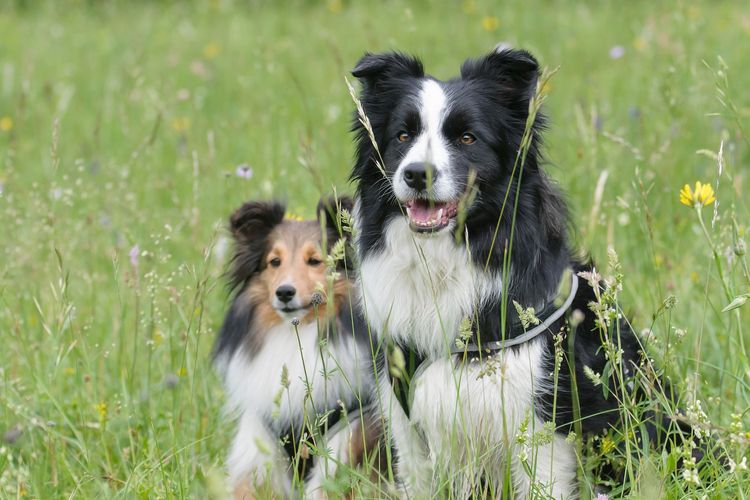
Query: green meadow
[[129, 131]]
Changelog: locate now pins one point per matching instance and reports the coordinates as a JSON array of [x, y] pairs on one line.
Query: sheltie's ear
[[251, 225], [329, 211]]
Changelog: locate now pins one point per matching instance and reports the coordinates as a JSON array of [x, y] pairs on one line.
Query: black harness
[[295, 440]]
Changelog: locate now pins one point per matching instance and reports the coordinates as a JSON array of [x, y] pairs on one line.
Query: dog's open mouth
[[429, 215]]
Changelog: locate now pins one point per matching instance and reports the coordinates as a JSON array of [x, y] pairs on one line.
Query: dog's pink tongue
[[421, 211]]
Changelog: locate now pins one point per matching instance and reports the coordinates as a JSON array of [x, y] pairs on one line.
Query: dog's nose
[[285, 293], [419, 174]]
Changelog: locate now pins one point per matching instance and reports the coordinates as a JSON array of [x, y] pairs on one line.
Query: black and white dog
[[454, 224]]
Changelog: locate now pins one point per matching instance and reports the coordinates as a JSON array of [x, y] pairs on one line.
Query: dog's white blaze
[[252, 385], [430, 146]]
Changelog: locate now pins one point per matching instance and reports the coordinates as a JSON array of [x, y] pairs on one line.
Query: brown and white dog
[[297, 377]]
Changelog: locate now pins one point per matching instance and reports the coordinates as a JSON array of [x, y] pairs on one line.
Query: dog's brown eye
[[275, 262], [468, 138], [403, 136], [312, 261]]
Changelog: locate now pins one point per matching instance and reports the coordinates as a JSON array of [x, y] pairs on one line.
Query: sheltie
[[297, 371]]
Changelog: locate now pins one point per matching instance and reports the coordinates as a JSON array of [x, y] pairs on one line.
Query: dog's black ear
[[516, 71], [250, 226], [375, 68], [329, 210]]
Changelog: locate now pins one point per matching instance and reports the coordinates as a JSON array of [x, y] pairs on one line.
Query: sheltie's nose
[[285, 293]]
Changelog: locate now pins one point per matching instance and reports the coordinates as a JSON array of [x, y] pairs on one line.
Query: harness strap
[[407, 367], [499, 345]]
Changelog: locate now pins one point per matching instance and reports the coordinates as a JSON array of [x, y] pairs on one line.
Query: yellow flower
[[490, 23], [211, 50], [101, 409], [181, 124], [294, 217], [607, 445], [701, 197], [6, 123], [335, 6], [469, 6]]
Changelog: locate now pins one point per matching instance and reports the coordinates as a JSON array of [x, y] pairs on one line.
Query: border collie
[[456, 223], [291, 363]]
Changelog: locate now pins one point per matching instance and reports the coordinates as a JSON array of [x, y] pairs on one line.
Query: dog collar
[[499, 345]]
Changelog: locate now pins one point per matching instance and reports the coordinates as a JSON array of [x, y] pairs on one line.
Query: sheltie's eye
[[468, 139], [314, 261], [403, 136], [275, 262]]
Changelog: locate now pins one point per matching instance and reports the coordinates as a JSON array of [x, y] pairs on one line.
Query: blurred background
[[129, 131]]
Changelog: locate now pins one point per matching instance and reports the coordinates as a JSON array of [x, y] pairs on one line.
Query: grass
[[122, 125]]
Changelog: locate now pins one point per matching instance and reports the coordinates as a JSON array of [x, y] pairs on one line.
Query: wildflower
[[6, 123], [244, 171], [211, 50], [101, 409], [607, 445], [316, 299], [464, 333], [171, 380], [690, 475], [527, 316], [701, 197], [593, 376], [285, 376], [468, 6], [181, 123], [576, 318], [335, 6], [293, 216], [616, 52], [601, 496], [12, 435], [490, 23], [134, 253]]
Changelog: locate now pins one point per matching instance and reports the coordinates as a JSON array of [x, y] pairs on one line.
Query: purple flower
[[244, 171], [134, 253], [616, 52], [601, 496]]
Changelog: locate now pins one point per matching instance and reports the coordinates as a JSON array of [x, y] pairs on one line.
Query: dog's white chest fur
[[417, 289], [331, 373]]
